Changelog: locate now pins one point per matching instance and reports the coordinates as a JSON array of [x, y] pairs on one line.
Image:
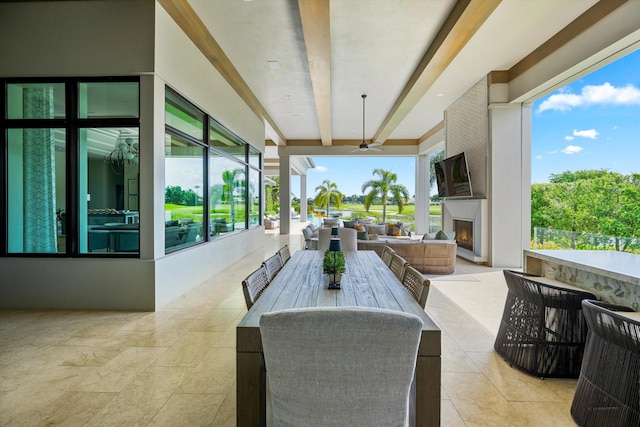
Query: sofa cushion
[[349, 224], [363, 235], [375, 228]]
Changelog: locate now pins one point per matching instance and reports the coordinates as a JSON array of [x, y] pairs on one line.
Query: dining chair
[[254, 285], [397, 265], [416, 284], [285, 254], [324, 238], [307, 232], [273, 265], [387, 253], [340, 366], [348, 239]]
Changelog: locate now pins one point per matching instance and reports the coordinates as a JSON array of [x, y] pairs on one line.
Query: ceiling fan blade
[[375, 144], [375, 149]]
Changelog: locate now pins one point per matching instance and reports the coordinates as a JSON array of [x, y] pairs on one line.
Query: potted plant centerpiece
[[334, 265]]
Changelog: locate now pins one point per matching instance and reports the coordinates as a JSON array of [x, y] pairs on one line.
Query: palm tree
[[325, 193], [433, 159], [381, 188], [232, 179]]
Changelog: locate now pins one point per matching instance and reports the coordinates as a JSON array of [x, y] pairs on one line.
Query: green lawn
[[408, 213]]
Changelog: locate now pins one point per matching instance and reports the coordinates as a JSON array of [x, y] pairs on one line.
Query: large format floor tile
[[176, 367]]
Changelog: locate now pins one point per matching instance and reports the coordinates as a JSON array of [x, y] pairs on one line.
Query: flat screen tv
[[452, 176]]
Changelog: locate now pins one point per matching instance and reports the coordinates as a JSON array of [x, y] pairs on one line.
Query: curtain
[[39, 174]]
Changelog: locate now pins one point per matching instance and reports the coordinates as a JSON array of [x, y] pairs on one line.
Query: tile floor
[[176, 367]]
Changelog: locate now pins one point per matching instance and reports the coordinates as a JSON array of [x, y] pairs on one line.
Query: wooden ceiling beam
[[315, 18], [462, 23]]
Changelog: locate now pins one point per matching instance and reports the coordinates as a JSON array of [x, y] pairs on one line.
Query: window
[[72, 146], [184, 182]]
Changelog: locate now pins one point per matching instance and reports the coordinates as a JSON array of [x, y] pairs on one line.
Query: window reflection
[[184, 183], [227, 198]]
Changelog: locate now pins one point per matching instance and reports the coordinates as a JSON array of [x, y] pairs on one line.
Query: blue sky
[[592, 123]]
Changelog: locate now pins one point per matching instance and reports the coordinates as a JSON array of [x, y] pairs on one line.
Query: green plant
[[333, 262]]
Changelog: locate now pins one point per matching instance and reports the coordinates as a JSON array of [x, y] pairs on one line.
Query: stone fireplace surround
[[473, 210]]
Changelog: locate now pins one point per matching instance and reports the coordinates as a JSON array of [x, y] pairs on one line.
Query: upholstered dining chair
[[254, 285], [324, 238], [285, 254], [387, 254], [273, 265], [416, 284], [339, 366], [348, 239], [397, 265]]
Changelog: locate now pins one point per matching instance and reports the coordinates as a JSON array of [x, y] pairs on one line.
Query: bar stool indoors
[[608, 390], [543, 330]]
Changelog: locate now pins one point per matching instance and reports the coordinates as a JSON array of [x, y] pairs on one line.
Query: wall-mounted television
[[452, 176]]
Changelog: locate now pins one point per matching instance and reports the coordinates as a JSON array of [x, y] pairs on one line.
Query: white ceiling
[[375, 48]]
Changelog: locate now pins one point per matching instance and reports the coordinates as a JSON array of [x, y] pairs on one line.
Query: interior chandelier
[[126, 151]]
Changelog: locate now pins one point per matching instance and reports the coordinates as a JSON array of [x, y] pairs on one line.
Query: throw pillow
[[349, 224], [441, 235], [397, 231], [363, 235], [373, 237], [429, 236], [359, 227]]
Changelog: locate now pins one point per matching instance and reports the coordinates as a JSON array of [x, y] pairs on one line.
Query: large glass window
[[184, 183], [228, 168], [72, 154], [36, 187], [108, 189]]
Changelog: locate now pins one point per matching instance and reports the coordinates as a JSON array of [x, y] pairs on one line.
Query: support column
[[510, 183], [303, 198], [422, 194], [285, 194]]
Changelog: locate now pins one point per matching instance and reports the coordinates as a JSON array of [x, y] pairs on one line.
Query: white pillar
[[285, 194], [422, 194], [303, 198], [510, 183]]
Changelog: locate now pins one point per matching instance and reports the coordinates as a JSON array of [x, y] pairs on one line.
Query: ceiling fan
[[363, 145]]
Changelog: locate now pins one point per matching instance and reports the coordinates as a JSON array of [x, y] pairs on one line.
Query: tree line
[[589, 201]]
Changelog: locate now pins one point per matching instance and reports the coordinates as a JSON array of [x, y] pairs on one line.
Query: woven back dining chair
[[608, 390], [254, 285], [285, 254], [542, 330], [329, 367], [397, 265], [273, 264], [387, 254], [416, 284]]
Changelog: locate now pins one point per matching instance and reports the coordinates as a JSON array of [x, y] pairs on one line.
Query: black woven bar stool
[[543, 330], [608, 391]]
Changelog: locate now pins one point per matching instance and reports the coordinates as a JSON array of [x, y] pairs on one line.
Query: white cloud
[[572, 149], [589, 133], [569, 138], [538, 157], [593, 95], [553, 152], [320, 169]]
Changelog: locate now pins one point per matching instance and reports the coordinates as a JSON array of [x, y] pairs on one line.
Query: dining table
[[367, 282]]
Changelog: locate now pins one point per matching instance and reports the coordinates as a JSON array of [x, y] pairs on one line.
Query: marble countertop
[[620, 265]]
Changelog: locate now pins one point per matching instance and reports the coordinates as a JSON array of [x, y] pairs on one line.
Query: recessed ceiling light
[[274, 65], [440, 94], [288, 97]]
